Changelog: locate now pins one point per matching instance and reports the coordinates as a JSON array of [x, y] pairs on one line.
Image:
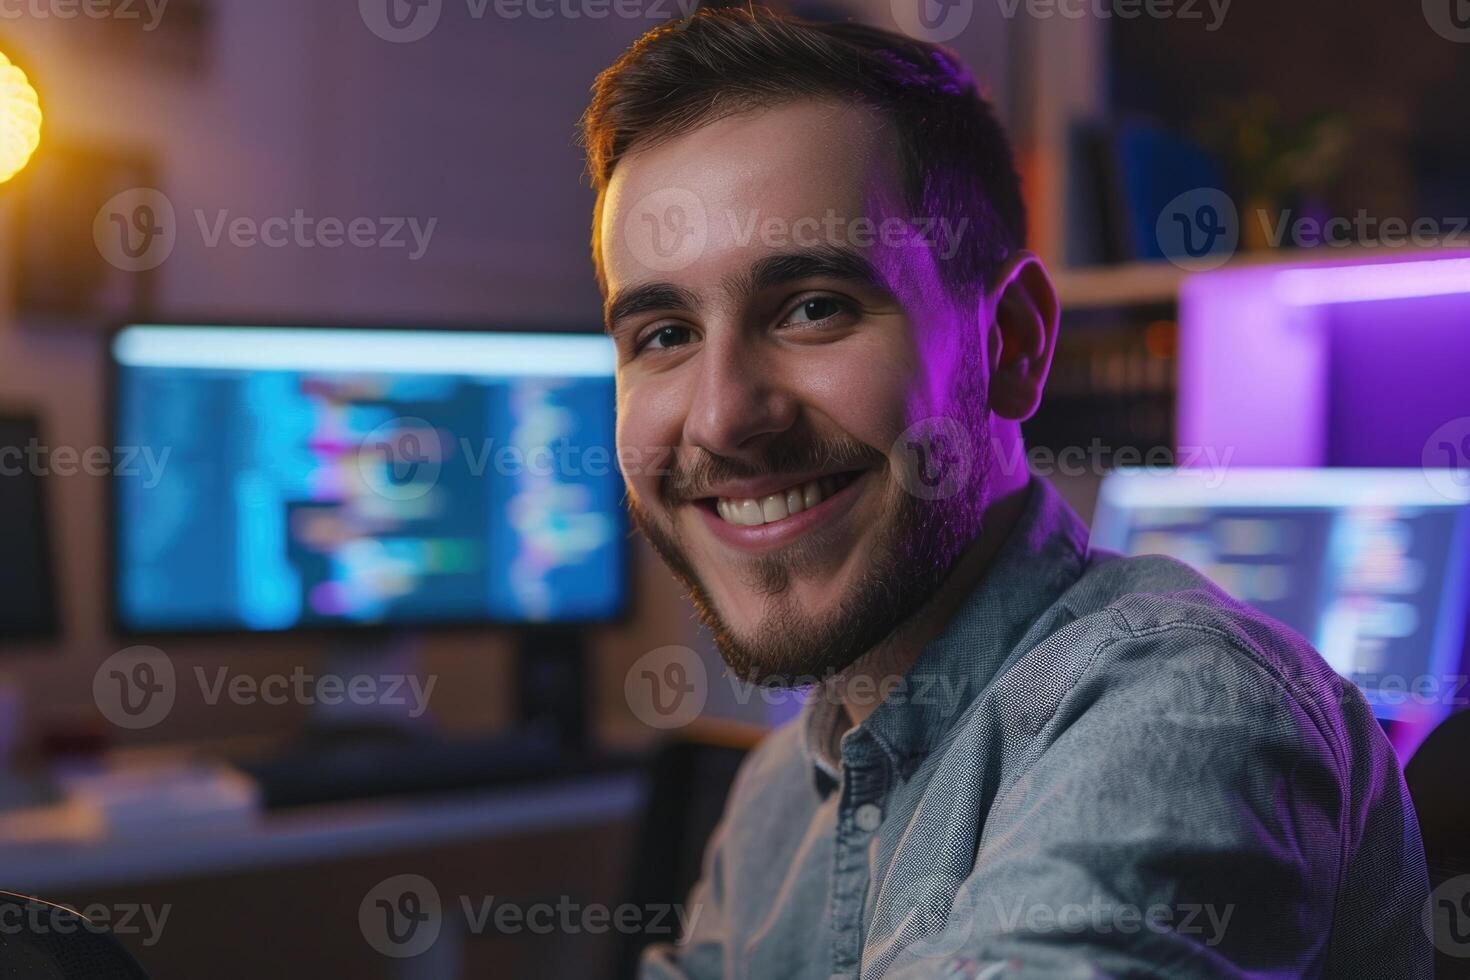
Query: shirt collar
[[1042, 556]]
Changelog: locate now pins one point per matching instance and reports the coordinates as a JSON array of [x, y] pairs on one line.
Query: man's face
[[779, 328]]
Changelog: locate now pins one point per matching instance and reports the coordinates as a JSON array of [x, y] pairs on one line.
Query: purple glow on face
[[1363, 283]]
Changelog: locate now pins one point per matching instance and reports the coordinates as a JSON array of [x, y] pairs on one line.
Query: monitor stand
[[379, 694], [551, 686], [551, 705]]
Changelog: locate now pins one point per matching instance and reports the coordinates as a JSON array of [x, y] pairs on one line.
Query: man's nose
[[740, 401]]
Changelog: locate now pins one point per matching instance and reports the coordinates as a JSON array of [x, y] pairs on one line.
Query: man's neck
[[885, 664]]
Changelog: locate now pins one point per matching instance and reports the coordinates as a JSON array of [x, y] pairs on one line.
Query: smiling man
[[810, 239]]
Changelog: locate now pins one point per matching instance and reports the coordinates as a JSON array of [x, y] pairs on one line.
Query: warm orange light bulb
[[20, 119]]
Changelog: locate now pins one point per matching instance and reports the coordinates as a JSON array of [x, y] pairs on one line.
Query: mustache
[[693, 473]]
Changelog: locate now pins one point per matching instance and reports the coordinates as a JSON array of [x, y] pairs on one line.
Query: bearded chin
[[917, 543]]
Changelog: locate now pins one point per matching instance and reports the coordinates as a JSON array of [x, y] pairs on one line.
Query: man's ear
[[1023, 336]]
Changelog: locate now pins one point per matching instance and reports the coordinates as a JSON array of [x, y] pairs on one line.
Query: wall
[[300, 106]]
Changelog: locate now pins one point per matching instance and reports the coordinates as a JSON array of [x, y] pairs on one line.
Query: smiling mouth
[[773, 507]]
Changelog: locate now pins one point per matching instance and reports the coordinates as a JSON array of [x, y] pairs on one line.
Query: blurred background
[[311, 664]]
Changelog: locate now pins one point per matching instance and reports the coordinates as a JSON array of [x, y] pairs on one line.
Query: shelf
[[1157, 283], [1131, 284]]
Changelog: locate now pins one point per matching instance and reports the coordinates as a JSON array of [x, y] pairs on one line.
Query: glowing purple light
[[1364, 283], [1266, 350]]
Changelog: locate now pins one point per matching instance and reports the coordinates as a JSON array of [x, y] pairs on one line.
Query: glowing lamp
[[20, 119]]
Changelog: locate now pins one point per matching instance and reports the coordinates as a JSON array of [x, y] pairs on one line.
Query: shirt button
[[868, 817]]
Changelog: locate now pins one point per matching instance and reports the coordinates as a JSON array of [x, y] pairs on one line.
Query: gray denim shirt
[[1104, 766]]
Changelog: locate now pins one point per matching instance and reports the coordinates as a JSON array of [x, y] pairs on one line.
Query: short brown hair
[[955, 158]]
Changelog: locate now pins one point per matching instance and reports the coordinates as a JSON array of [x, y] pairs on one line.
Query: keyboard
[[366, 768]]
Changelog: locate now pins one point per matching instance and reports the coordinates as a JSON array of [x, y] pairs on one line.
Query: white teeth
[[773, 508], [749, 511]]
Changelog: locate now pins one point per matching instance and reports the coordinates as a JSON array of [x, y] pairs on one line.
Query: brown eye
[[669, 335], [815, 310]]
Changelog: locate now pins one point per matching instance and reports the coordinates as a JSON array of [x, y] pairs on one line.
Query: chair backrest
[[688, 781], [42, 941], [1438, 777]]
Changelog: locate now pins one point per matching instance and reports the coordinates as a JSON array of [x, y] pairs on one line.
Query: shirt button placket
[[864, 785]]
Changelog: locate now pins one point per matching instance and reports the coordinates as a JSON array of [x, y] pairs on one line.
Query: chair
[[1438, 777], [42, 941], [688, 780]]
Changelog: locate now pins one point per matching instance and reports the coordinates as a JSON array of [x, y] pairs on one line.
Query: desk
[[281, 898]]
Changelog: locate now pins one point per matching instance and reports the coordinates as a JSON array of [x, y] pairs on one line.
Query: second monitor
[[1368, 564]]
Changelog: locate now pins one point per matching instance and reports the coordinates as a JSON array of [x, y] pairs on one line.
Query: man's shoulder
[[1143, 644], [1167, 613], [1149, 637]]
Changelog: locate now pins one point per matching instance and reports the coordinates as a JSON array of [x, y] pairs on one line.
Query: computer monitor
[[323, 477], [1370, 565], [27, 587]]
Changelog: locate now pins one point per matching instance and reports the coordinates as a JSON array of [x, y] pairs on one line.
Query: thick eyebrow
[[645, 298], [825, 261]]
